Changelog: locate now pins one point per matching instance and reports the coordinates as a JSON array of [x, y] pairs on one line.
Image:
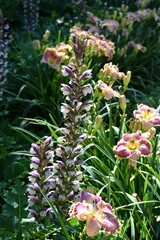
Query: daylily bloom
[[97, 214], [138, 46], [54, 57], [107, 90], [139, 15], [110, 73], [112, 25], [148, 116], [101, 46], [132, 146]]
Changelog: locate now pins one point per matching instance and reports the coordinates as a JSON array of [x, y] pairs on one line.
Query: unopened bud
[[115, 14], [151, 133], [122, 103], [98, 122], [36, 44], [46, 35], [127, 79]]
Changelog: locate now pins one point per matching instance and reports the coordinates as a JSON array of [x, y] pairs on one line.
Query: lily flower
[[132, 146], [97, 214], [148, 116], [53, 57], [107, 90]]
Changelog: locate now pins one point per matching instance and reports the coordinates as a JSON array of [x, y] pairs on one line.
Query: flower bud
[[98, 122], [127, 79], [150, 134], [36, 44], [46, 35], [122, 103]]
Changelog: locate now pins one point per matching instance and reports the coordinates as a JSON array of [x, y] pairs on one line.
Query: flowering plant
[[97, 214]]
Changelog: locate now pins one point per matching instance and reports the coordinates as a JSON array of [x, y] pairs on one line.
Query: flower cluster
[[134, 145], [142, 3], [121, 23], [108, 75], [75, 111], [139, 15], [93, 26], [54, 56], [3, 50], [97, 213], [96, 44], [41, 178], [30, 8]]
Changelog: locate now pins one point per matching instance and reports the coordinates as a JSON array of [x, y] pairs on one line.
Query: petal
[[116, 94], [146, 125], [89, 197], [121, 151], [111, 224], [92, 226], [107, 94], [107, 208], [134, 157], [145, 147], [143, 107], [137, 114], [128, 136], [155, 121], [80, 210]]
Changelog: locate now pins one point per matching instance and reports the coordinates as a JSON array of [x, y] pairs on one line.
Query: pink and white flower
[[97, 214], [148, 116], [132, 146], [107, 90]]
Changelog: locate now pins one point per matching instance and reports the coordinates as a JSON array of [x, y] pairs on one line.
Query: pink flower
[[132, 146], [54, 56], [97, 214], [112, 25], [107, 90], [148, 116]]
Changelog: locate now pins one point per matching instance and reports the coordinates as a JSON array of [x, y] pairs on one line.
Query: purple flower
[[32, 213], [30, 9], [66, 71], [86, 74]]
